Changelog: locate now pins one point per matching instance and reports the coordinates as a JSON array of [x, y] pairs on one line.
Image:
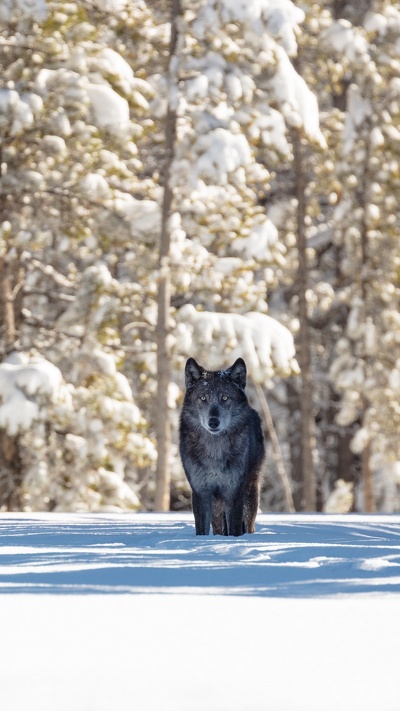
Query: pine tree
[[68, 218], [366, 228]]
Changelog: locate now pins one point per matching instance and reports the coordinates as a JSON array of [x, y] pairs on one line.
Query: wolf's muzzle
[[213, 423]]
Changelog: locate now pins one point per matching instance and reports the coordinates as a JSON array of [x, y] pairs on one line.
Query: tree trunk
[[276, 449], [295, 444], [369, 498], [10, 472], [367, 474], [7, 315], [163, 428], [10, 463], [306, 401]]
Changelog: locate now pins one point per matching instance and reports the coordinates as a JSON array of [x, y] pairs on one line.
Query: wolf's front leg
[[218, 521], [201, 505], [251, 502], [234, 515]]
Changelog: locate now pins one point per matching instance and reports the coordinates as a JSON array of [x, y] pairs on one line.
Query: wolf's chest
[[221, 463]]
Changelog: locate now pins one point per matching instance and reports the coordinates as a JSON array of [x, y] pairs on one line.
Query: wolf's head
[[216, 399]]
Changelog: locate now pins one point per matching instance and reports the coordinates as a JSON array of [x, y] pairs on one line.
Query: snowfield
[[132, 611]]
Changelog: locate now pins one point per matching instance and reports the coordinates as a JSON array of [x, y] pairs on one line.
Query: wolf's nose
[[213, 423]]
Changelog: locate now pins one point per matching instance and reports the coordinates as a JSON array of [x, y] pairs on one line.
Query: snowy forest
[[206, 178]]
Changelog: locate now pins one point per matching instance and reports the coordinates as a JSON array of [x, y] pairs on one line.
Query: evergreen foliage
[[276, 106]]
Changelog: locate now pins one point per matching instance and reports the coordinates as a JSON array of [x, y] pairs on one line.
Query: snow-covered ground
[[106, 612]]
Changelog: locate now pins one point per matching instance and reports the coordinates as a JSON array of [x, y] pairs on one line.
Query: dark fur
[[222, 449]]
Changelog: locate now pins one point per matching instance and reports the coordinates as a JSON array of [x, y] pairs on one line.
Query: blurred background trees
[[267, 209]]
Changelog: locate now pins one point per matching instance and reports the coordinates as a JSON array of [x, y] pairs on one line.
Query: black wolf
[[222, 449]]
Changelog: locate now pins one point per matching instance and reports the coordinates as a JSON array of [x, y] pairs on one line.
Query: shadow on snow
[[288, 556]]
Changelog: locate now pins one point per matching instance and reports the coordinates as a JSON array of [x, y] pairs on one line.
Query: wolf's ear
[[193, 372], [237, 372]]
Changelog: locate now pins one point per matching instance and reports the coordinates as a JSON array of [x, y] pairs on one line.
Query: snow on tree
[[12, 9], [229, 79], [83, 99], [80, 252], [68, 216], [24, 384], [266, 345], [340, 500], [366, 228], [230, 76]]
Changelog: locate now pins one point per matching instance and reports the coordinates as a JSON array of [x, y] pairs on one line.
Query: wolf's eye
[[203, 397], [224, 397]]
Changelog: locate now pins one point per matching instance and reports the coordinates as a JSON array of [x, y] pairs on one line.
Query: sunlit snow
[[119, 611]]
